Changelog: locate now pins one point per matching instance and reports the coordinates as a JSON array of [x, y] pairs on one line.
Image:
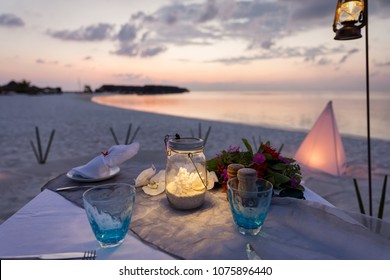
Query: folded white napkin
[[100, 166]]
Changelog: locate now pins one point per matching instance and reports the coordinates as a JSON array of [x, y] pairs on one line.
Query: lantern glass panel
[[350, 11]]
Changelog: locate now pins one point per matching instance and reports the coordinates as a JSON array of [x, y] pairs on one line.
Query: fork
[[89, 255]]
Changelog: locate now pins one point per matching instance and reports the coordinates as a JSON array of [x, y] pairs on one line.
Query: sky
[[197, 44]]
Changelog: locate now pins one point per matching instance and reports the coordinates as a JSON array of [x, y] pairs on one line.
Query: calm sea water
[[287, 110]]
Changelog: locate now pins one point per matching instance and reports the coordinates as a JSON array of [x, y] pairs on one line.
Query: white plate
[[113, 171]]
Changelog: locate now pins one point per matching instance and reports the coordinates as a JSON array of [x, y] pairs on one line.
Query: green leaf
[[247, 145], [246, 158], [268, 157], [280, 178], [271, 179], [279, 166], [212, 164]]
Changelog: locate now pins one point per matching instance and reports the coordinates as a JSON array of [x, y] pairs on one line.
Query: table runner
[[294, 229]]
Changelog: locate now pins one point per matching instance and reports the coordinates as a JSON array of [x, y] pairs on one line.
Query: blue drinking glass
[[249, 208], [109, 209]]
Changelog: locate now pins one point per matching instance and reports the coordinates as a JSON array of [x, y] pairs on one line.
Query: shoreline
[[82, 132], [262, 109]]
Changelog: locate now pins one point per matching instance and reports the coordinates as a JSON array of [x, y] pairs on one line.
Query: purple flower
[[285, 160], [294, 183], [259, 158], [233, 149]]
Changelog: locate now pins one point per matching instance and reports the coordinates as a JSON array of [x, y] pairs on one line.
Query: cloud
[[133, 50], [347, 55], [383, 64], [210, 11], [152, 51], [128, 32], [42, 61], [258, 24], [308, 54], [380, 7], [184, 24], [10, 20], [383, 4], [127, 49], [267, 44], [324, 61], [309, 11], [97, 32]]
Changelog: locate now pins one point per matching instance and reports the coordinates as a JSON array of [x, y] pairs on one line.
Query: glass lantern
[[185, 173], [350, 17]]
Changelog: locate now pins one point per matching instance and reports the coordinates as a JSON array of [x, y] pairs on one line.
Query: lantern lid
[[186, 144]]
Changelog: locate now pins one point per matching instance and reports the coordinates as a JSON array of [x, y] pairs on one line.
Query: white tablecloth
[[49, 223]]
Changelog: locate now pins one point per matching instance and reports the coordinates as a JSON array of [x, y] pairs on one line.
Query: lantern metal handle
[[190, 155], [166, 139]]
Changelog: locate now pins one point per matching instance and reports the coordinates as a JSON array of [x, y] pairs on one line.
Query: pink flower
[[259, 158], [233, 149], [224, 175]]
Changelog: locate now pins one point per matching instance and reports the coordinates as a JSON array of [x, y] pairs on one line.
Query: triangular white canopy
[[322, 148]]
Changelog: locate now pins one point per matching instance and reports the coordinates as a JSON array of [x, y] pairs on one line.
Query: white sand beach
[[82, 132]]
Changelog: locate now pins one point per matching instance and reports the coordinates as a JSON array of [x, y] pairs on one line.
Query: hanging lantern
[[349, 18]]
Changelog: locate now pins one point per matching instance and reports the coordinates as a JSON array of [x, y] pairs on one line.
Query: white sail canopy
[[322, 148]]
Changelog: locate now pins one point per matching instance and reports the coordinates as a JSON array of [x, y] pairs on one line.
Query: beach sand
[[82, 131]]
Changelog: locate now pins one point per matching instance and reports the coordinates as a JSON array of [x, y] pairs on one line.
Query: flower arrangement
[[282, 172]]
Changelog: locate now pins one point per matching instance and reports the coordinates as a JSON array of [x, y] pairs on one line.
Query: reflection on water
[[290, 110]]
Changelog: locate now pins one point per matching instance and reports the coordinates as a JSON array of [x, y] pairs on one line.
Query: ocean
[[292, 110]]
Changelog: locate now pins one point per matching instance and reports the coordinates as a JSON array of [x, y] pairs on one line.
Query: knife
[[251, 253], [71, 188], [56, 256]]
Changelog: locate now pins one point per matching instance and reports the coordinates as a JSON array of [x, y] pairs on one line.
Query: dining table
[[294, 229]]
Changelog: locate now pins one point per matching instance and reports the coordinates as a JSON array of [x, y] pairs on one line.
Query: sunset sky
[[201, 45]]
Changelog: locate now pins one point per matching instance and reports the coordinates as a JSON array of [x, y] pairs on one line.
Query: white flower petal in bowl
[[159, 177], [144, 177], [156, 184], [154, 189], [211, 179]]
